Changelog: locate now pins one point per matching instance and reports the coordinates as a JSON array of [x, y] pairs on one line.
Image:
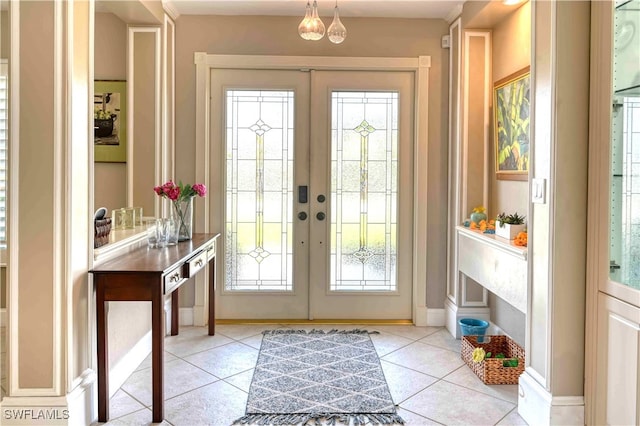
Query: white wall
[[511, 52]]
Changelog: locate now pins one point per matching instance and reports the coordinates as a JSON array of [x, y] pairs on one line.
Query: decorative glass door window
[[364, 191], [624, 249], [259, 190], [625, 193]]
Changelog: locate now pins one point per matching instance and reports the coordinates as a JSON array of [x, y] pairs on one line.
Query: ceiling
[[446, 9]]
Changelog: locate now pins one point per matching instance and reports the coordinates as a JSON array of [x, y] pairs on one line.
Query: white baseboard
[[453, 313], [420, 316], [78, 407], [167, 315], [436, 317], [120, 372], [539, 407], [199, 316], [3, 317], [186, 316], [81, 402]]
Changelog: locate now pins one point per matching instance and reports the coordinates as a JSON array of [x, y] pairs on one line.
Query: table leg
[[103, 358], [175, 310], [157, 351], [212, 296]]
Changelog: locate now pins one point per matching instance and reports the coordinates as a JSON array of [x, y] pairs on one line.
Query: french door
[[315, 193]]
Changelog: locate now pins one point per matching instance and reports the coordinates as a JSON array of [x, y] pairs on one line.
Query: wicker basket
[[102, 228], [491, 371]]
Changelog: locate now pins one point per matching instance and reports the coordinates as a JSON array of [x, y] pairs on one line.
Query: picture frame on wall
[[511, 112], [109, 121]]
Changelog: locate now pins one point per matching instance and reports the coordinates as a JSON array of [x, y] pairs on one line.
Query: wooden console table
[[148, 275]]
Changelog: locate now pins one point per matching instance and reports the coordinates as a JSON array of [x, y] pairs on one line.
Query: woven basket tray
[[491, 371], [102, 228]]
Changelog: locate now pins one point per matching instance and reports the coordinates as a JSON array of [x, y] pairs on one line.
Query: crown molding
[[170, 9], [453, 15]]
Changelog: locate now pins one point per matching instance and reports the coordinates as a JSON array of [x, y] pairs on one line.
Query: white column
[[552, 386], [51, 86], [470, 81]]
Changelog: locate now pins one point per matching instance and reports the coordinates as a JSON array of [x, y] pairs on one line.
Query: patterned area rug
[[318, 377]]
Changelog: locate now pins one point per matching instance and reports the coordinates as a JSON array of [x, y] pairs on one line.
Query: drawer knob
[[174, 277], [199, 262]]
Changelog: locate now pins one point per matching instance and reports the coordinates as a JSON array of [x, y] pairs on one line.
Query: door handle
[[302, 216], [320, 216]]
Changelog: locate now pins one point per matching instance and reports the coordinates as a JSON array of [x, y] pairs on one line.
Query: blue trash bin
[[473, 327]]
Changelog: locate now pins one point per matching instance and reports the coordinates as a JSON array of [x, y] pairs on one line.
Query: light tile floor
[[207, 378]]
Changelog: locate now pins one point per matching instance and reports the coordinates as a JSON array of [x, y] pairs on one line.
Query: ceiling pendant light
[[336, 32], [311, 27]]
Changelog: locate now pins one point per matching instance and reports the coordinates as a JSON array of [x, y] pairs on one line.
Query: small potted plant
[[508, 226], [103, 123]]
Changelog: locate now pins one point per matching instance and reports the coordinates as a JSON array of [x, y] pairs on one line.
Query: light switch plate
[[539, 191]]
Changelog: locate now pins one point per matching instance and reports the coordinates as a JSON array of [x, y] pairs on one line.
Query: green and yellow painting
[[512, 118]]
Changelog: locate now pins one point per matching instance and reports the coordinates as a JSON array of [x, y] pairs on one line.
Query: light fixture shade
[[336, 32], [311, 27], [305, 23]]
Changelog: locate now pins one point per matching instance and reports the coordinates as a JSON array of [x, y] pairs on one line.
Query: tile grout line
[[418, 371], [111, 419], [132, 397], [506, 415], [475, 390], [424, 417], [190, 390], [211, 374], [484, 393], [204, 350], [235, 386]]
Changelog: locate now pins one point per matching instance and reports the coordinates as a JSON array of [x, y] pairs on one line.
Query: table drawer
[[173, 279], [196, 263], [211, 251]]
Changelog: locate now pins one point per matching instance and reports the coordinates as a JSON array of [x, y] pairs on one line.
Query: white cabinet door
[[618, 391]]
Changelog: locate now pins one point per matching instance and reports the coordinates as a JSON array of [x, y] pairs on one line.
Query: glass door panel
[[259, 190], [624, 252], [625, 193], [364, 191]]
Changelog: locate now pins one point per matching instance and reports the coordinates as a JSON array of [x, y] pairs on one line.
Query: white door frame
[[206, 62]]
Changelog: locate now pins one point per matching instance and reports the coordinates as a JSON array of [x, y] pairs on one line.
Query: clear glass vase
[[183, 214]]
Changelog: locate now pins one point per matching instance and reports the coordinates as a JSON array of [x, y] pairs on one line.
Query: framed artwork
[[511, 111], [109, 121]]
